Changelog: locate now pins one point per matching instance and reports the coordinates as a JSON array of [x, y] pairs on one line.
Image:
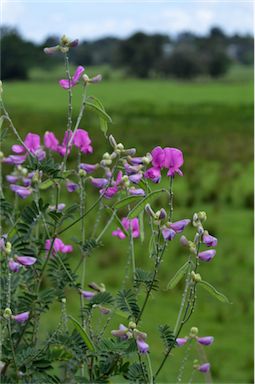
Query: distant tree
[[140, 53], [17, 55], [218, 63]]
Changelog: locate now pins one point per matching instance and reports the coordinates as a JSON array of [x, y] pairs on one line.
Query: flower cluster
[[131, 331]]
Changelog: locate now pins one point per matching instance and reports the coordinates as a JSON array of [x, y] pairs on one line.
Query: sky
[[94, 19]]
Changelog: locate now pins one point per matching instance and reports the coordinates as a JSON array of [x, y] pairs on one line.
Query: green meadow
[[212, 122]]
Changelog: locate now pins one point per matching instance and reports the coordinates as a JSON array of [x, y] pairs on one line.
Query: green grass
[[212, 122]]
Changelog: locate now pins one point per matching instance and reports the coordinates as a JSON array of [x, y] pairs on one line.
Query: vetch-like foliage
[[48, 188]]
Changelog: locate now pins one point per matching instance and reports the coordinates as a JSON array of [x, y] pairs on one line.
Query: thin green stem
[[150, 369]]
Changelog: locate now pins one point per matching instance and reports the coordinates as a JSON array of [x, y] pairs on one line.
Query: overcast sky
[[97, 18]]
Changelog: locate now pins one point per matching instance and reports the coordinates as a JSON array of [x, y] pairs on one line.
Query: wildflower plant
[[41, 266]]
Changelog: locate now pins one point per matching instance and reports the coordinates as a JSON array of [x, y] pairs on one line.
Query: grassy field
[[212, 122]]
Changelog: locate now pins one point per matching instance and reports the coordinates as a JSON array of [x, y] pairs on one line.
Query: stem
[[12, 346], [171, 198], [150, 369], [69, 116], [106, 226], [203, 358]]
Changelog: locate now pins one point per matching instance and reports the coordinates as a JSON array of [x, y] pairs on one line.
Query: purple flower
[[142, 346], [89, 168], [66, 84], [25, 260], [119, 233], [32, 141], [168, 233], [173, 161], [181, 341], [209, 240], [99, 182], [60, 207], [158, 157], [126, 224], [82, 141], [206, 340], [21, 317], [88, 294], [204, 368], [109, 192], [16, 148], [58, 246], [135, 178], [207, 255], [50, 141], [12, 179], [136, 192], [136, 160], [122, 332], [153, 174], [21, 191], [26, 181], [13, 266], [131, 169], [71, 187], [14, 159], [178, 226]]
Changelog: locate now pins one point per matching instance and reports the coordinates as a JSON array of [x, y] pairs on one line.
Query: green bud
[[8, 248], [202, 216], [1, 155], [7, 313], [131, 325], [82, 173], [120, 146], [193, 332], [24, 171], [196, 277]]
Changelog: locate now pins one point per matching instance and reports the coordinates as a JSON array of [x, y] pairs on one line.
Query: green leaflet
[[83, 334], [213, 291], [124, 202], [96, 106], [141, 205], [178, 276], [46, 184]]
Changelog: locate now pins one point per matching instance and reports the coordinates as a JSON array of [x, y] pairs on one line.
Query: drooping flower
[[89, 168], [25, 260], [13, 266], [122, 332], [15, 159], [153, 174], [12, 179], [88, 294], [82, 141], [66, 84], [22, 192], [181, 341], [204, 368], [209, 240], [99, 182], [207, 255], [206, 340], [136, 192], [168, 233], [135, 178], [71, 187], [173, 161], [126, 224], [142, 346], [21, 317], [58, 246], [178, 226]]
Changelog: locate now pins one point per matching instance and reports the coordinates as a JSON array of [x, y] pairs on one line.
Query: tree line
[[140, 55]]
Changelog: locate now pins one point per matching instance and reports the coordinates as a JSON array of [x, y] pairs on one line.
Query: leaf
[[127, 302], [124, 202], [141, 205], [178, 276], [46, 184], [167, 335], [83, 334], [213, 291], [98, 107]]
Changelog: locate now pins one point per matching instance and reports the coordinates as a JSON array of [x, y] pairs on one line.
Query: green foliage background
[[211, 121]]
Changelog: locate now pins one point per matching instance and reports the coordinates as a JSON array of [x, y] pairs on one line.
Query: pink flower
[[32, 141], [153, 174], [158, 157], [50, 141], [207, 255], [109, 192], [82, 141], [206, 340], [181, 341], [126, 224], [66, 84], [25, 260], [21, 317], [170, 158], [122, 332], [58, 246]]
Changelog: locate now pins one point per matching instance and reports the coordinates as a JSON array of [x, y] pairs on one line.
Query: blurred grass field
[[212, 122]]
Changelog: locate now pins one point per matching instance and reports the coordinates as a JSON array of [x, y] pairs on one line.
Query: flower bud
[[105, 163], [196, 277], [112, 141], [64, 49], [1, 88], [85, 78], [96, 79], [106, 156], [184, 241], [63, 300], [51, 50], [82, 173], [113, 155], [130, 152], [64, 40], [131, 325], [149, 211], [161, 214], [74, 43], [8, 248], [193, 332], [1, 155], [7, 313], [202, 216], [120, 146], [200, 230]]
